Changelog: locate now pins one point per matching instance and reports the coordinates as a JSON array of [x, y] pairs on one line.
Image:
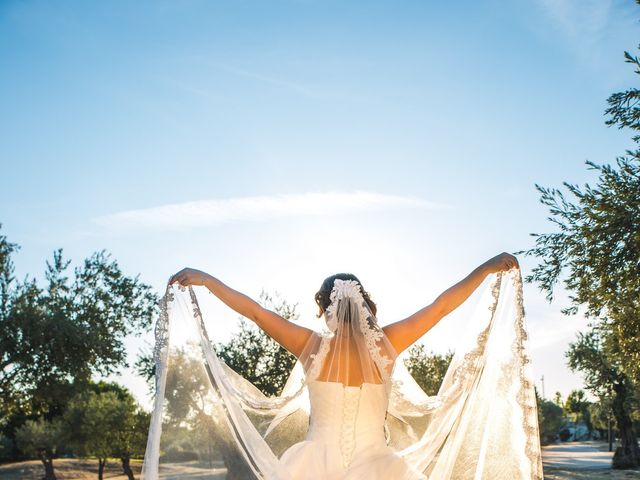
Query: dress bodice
[[346, 437], [348, 419]]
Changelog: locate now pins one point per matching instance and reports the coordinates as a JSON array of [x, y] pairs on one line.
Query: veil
[[209, 422]]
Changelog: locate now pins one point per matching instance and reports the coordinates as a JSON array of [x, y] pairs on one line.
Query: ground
[[567, 461], [553, 474], [582, 461], [66, 469]]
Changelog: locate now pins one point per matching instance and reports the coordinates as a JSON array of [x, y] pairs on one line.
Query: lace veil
[[209, 422]]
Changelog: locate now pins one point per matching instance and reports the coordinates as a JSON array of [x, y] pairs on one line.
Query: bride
[[348, 410]]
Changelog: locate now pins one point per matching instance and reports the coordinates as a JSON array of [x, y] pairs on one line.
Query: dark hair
[[322, 296]]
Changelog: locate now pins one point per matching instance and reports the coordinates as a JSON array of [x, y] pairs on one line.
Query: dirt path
[[66, 469], [582, 474], [576, 456], [555, 459], [582, 461]]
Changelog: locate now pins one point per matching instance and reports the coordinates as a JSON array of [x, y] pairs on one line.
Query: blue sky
[[293, 139]]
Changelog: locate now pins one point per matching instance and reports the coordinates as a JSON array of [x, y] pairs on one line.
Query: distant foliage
[[256, 356], [250, 352], [595, 253], [427, 368], [600, 414], [577, 408], [54, 338], [106, 424], [550, 420], [41, 439], [55, 335]]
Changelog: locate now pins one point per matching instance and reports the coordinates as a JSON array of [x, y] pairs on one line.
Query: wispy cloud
[[212, 212], [278, 82], [200, 92], [261, 76], [582, 22]]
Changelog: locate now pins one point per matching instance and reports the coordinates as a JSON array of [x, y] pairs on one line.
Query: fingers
[[510, 261], [173, 278], [180, 277]]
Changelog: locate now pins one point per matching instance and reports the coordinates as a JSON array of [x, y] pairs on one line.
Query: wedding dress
[[350, 445], [350, 410]]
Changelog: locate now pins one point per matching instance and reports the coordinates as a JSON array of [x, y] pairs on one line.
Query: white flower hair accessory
[[341, 289]]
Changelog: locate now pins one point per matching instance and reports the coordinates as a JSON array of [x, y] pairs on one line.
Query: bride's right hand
[[502, 262], [189, 276]]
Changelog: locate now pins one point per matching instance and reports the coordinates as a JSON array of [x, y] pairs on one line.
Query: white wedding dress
[[211, 423], [346, 437]]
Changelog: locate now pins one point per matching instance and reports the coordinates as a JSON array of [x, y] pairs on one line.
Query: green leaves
[[595, 253], [597, 242], [36, 436], [105, 424], [256, 356], [550, 420], [54, 337], [427, 368]]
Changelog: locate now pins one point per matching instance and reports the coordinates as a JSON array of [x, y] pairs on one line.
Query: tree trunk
[[126, 467], [49, 474], [46, 457], [237, 468], [101, 464], [627, 455]]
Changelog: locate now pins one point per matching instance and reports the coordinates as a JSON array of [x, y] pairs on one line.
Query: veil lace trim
[[526, 393], [368, 324], [481, 424]]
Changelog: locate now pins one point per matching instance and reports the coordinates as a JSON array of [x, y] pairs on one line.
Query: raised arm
[[291, 336], [405, 332]]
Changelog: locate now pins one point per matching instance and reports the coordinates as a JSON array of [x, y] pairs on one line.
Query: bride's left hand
[[502, 262], [189, 276]]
